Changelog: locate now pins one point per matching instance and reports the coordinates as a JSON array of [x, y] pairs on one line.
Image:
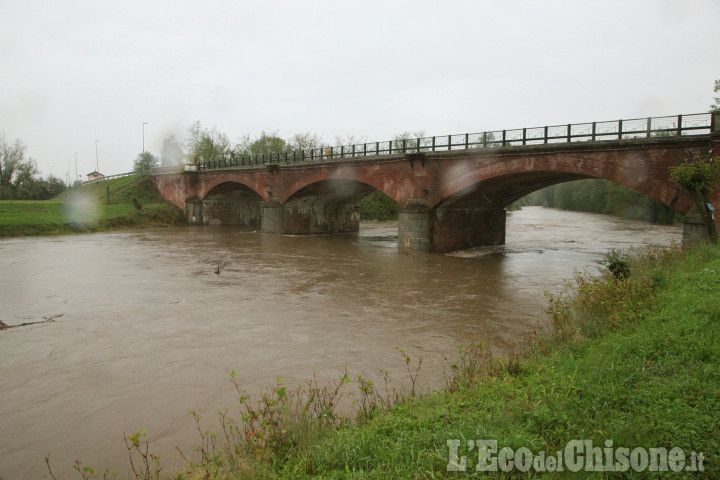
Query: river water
[[148, 331]]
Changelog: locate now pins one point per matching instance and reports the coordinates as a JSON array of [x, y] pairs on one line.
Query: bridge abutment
[[694, 228]]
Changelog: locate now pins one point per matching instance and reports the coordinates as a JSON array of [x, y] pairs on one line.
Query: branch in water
[[51, 318]]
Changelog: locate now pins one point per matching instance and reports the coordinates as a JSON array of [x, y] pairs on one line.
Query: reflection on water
[[149, 331]]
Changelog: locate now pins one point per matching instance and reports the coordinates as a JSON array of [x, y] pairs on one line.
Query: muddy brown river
[[148, 331]]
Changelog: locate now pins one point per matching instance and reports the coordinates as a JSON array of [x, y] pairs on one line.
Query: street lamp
[[144, 123]]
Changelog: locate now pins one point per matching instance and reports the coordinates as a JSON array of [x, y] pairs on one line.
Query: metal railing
[[109, 177], [677, 125]]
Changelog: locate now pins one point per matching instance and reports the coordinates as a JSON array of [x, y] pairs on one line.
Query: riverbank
[[632, 363], [121, 203]]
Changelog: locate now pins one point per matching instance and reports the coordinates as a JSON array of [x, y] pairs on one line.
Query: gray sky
[[73, 72]]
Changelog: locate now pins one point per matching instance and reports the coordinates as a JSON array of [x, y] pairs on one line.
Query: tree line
[[600, 196], [19, 176], [205, 144]]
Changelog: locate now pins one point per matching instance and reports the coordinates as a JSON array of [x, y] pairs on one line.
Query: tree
[[207, 145], [267, 142], [304, 141], [407, 141], [24, 182], [172, 152], [145, 162], [699, 177], [350, 140], [716, 107], [11, 156]]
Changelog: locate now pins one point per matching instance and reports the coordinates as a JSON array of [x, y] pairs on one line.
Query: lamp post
[[144, 123]]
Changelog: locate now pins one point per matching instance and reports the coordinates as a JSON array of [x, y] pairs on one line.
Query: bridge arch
[[325, 206], [229, 203], [345, 179], [488, 186]]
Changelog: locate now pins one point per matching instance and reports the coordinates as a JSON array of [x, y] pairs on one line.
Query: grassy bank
[[127, 202], [631, 362]]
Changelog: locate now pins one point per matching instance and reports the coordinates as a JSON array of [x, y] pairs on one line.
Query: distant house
[[95, 176]]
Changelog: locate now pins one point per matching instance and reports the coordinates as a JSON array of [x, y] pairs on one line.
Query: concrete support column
[[194, 211], [463, 228], [272, 217], [414, 229]]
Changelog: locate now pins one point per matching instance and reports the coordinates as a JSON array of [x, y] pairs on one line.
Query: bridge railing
[[108, 177], [669, 126]]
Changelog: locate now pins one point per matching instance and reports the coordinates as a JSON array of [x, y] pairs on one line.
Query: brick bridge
[[452, 190]]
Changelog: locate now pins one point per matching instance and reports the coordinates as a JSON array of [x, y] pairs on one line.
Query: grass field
[[126, 202]]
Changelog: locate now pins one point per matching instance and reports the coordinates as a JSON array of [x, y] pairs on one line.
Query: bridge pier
[[445, 230], [193, 211], [321, 217], [463, 228], [310, 219], [272, 217], [415, 229]]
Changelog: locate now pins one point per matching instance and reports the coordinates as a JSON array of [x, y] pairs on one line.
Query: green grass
[[87, 209], [635, 361]]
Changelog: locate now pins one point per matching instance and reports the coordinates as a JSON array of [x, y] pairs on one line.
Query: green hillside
[[126, 202]]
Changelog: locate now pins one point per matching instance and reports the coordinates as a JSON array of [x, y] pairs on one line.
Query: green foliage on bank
[[378, 206], [126, 202], [600, 196]]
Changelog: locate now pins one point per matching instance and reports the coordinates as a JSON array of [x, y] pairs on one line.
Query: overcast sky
[[72, 72]]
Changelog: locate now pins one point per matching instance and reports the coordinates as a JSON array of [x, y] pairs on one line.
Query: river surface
[[148, 331]]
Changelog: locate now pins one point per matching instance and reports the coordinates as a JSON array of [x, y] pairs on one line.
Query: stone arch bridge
[[452, 190]]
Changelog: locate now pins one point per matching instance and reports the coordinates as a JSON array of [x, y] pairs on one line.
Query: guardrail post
[[649, 127], [524, 136], [467, 141], [545, 134], [594, 130], [620, 127], [679, 126], [569, 132], [449, 142], [503, 137]]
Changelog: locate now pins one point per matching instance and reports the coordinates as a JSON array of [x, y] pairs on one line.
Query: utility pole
[[144, 123]]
